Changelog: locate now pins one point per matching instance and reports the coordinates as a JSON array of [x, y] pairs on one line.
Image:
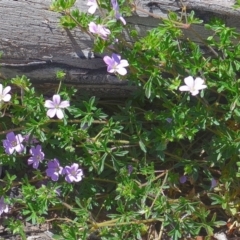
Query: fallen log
[[33, 43]]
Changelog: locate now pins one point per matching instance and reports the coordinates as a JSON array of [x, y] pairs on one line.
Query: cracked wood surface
[[34, 44]]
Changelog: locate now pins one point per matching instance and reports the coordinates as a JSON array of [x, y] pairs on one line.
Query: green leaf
[[142, 146]]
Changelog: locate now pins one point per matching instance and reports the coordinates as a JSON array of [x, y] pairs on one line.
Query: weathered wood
[[34, 44]]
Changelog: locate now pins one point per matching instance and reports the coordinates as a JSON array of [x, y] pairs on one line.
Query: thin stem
[[160, 189], [114, 222], [103, 180], [59, 86], [203, 41], [11, 130], [181, 25], [78, 121]]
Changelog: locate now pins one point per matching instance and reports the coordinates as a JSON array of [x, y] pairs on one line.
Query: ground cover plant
[[165, 160]]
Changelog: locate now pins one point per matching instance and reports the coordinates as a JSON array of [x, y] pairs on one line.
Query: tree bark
[[34, 44]]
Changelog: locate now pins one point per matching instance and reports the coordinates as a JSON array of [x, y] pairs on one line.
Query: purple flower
[[93, 6], [183, 179], [115, 64], [4, 96], [37, 156], [214, 183], [3, 206], [13, 143], [99, 29], [73, 173], [130, 169], [56, 106], [169, 120], [116, 9], [58, 191], [27, 139], [54, 169]]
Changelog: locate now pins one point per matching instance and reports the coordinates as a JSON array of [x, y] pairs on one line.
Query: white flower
[[93, 6], [3, 206], [4, 96], [56, 106], [193, 86]]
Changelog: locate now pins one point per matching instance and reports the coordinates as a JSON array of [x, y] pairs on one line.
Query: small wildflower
[[4, 93], [169, 120], [29, 139], [13, 142], [56, 106], [183, 179], [58, 191], [93, 6], [214, 183], [73, 173], [115, 64], [117, 14], [99, 30], [193, 86], [130, 169], [37, 156], [54, 169], [3, 206]]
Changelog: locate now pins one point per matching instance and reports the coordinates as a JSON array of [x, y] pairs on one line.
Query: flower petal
[[7, 98], [199, 84], [92, 9], [110, 69], [92, 27], [19, 148], [36, 164], [109, 61], [184, 88], [51, 112], [116, 58], [123, 20], [75, 166], [64, 104], [56, 99], [124, 63], [195, 92], [189, 81], [19, 138], [30, 160], [49, 104], [6, 90], [60, 114], [121, 71], [11, 136]]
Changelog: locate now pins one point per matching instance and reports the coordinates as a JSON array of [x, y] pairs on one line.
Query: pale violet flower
[[73, 173], [54, 169], [117, 13], [214, 183], [115, 64], [193, 86], [183, 179], [93, 6], [130, 169], [37, 156], [99, 30], [30, 139], [4, 93], [3, 206], [56, 106], [13, 142]]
